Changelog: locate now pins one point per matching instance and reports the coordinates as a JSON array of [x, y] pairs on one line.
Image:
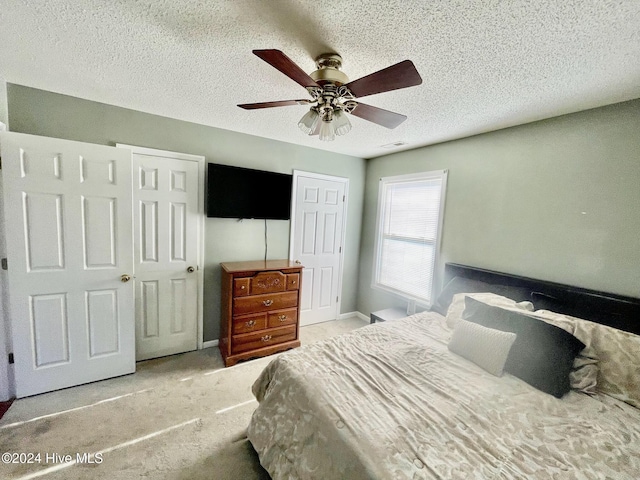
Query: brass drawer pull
[[282, 318], [242, 287], [266, 338], [267, 303], [293, 282], [250, 323]]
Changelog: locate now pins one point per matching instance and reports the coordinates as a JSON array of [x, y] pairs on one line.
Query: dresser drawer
[[241, 287], [251, 341], [263, 303], [268, 282], [249, 323], [293, 281], [282, 317]]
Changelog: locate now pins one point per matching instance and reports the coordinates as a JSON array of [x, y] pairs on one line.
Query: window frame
[[384, 182]]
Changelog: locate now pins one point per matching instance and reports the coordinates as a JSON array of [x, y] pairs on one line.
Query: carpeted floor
[[178, 417]]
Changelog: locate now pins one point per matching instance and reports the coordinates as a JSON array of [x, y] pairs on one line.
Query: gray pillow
[[486, 347]]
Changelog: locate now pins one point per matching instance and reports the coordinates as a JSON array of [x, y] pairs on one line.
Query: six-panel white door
[[69, 242], [166, 217], [317, 235]]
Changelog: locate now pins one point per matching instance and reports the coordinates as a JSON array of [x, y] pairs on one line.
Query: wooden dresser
[[259, 308]]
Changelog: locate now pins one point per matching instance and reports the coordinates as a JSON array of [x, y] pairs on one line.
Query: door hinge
[[344, 197], [5, 266], [11, 358], [337, 298], [340, 250]]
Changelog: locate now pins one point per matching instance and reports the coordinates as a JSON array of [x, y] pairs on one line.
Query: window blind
[[409, 211]]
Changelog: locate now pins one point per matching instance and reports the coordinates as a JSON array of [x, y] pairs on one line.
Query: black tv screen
[[235, 192]]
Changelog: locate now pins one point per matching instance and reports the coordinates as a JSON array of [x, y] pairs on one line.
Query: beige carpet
[[178, 417]]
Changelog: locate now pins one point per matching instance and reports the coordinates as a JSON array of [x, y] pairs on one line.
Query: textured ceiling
[[485, 64]]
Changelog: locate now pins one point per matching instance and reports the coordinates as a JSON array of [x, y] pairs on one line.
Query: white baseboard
[[361, 316], [210, 343]]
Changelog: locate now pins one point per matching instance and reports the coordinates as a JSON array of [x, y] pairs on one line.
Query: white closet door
[[70, 249], [316, 242], [166, 193]]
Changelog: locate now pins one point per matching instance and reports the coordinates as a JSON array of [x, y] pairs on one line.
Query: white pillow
[[486, 347], [454, 314]]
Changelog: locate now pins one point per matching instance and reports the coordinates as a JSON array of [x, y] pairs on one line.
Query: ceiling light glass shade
[[341, 123], [309, 122], [327, 131]]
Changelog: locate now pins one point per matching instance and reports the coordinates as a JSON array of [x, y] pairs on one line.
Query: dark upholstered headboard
[[609, 309]]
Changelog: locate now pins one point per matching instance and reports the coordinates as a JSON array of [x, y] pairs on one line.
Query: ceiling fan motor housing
[[328, 70]]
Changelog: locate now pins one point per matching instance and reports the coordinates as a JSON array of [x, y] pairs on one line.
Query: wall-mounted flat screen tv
[[235, 192]]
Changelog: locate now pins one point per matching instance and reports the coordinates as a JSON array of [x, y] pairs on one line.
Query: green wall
[[44, 113], [556, 200]]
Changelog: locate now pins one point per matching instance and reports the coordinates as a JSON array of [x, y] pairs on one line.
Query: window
[[408, 235]]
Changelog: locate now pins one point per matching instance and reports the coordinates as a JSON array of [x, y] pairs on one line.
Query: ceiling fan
[[333, 94]]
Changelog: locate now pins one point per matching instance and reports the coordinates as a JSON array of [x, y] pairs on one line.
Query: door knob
[[298, 262], [125, 278], [191, 269]]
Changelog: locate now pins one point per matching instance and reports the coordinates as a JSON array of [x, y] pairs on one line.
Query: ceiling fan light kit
[[327, 131], [342, 123], [309, 122], [333, 95]]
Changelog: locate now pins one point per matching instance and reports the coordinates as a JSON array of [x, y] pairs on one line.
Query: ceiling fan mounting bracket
[[331, 60]]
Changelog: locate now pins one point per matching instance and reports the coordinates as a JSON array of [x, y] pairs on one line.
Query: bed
[[393, 401]]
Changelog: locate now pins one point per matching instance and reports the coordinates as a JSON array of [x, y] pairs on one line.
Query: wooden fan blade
[[400, 75], [280, 61], [378, 115], [281, 103]]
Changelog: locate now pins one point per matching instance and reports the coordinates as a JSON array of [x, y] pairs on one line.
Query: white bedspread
[[390, 401]]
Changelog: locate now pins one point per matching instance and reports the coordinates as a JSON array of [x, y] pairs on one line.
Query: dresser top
[[232, 267]]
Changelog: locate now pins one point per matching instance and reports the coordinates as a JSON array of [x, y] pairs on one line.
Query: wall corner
[[4, 104]]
